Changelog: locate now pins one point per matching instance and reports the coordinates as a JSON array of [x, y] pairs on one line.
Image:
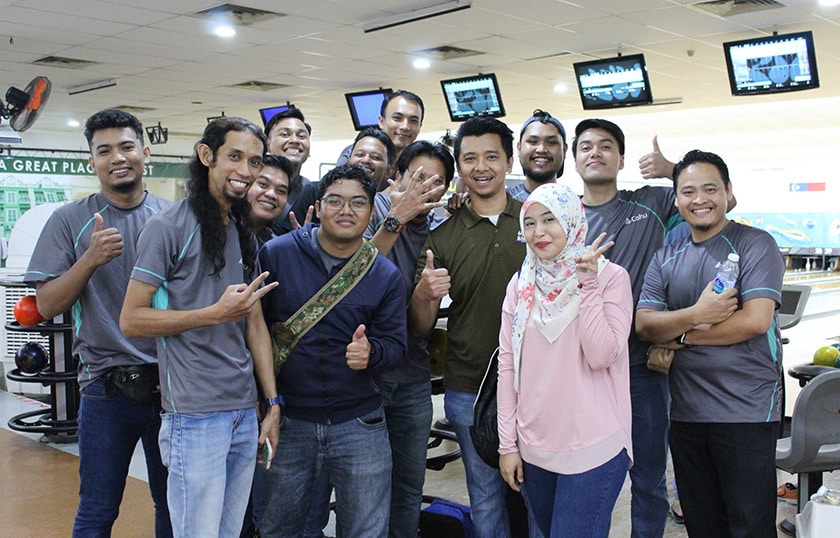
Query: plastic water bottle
[[728, 274]]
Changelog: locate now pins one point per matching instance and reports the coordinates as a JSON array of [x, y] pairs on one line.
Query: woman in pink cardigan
[[564, 371]]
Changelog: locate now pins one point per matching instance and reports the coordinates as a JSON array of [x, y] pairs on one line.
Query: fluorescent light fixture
[[98, 85], [416, 15], [10, 137]]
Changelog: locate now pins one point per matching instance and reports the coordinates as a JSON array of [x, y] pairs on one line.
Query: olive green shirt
[[480, 258]]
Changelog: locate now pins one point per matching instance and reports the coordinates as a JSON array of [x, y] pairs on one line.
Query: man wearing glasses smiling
[[333, 414]]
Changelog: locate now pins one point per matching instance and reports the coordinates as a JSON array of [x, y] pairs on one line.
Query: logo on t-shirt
[[636, 218]]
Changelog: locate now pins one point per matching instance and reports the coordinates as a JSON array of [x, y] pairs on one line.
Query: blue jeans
[[574, 505], [211, 459], [109, 429], [650, 399], [319, 509], [408, 414], [357, 457], [485, 485]]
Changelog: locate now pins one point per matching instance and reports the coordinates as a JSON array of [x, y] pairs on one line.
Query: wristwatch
[[277, 400], [392, 224], [681, 341]]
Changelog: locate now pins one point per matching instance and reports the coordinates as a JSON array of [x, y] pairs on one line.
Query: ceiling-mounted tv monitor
[[267, 113], [473, 96], [778, 63], [365, 107], [613, 82]]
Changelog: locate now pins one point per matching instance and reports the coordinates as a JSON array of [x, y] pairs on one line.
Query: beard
[[128, 186], [540, 178]]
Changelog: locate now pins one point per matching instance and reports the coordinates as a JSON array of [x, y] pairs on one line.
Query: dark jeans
[[408, 414], [727, 477], [109, 429], [650, 399]]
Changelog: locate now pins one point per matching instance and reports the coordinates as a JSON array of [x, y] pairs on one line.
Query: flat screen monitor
[[794, 299], [473, 96], [779, 63], [613, 82], [267, 113], [365, 107]]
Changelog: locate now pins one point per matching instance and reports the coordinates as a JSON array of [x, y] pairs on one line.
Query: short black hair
[[480, 126], [280, 163], [112, 118], [423, 148], [291, 112], [348, 171], [408, 96], [382, 136], [698, 156], [598, 123]]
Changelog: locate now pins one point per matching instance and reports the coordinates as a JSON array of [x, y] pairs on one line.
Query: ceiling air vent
[[240, 14], [259, 86], [446, 52], [64, 63], [729, 8]]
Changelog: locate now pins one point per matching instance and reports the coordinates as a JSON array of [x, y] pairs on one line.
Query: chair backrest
[[816, 417]]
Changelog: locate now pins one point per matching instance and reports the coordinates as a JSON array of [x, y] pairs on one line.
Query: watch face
[[392, 224]]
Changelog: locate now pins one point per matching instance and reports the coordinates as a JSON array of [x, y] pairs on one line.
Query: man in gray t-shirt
[[188, 288], [725, 379], [637, 221], [81, 264], [402, 219]]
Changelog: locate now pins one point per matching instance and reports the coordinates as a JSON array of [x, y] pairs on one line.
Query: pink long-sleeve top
[[572, 412]]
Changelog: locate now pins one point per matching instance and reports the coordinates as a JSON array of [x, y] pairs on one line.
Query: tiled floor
[[820, 325]]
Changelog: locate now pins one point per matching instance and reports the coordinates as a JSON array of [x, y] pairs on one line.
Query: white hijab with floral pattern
[[548, 289]]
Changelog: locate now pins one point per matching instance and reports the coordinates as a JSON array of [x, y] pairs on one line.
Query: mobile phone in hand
[[266, 453]]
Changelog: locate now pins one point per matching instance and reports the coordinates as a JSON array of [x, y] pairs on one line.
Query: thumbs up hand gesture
[[434, 283], [655, 165], [105, 244], [358, 350]]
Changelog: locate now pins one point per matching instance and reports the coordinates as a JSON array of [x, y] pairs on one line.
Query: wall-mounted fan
[[24, 106]]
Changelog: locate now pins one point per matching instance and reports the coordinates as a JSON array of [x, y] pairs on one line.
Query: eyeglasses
[[336, 202]]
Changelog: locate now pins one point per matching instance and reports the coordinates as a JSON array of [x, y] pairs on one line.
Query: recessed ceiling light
[[561, 87], [73, 123], [422, 63], [224, 30]]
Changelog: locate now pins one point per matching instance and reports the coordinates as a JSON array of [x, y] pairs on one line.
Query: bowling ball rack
[[58, 422]]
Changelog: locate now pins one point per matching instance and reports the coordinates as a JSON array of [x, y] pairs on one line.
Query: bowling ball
[[437, 351], [26, 311], [826, 356], [31, 358]]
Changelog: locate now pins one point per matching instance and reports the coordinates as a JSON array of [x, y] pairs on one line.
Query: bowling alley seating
[[814, 444]]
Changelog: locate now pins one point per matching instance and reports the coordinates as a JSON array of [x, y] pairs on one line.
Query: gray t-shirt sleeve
[[156, 248], [54, 252], [345, 155]]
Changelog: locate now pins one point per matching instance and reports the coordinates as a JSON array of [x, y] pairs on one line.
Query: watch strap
[[277, 400]]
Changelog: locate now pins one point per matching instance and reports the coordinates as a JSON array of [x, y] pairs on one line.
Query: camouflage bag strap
[[285, 335]]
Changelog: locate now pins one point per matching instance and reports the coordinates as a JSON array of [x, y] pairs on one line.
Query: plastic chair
[[814, 443]]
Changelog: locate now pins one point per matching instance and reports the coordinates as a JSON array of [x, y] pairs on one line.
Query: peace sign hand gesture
[[588, 262]]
